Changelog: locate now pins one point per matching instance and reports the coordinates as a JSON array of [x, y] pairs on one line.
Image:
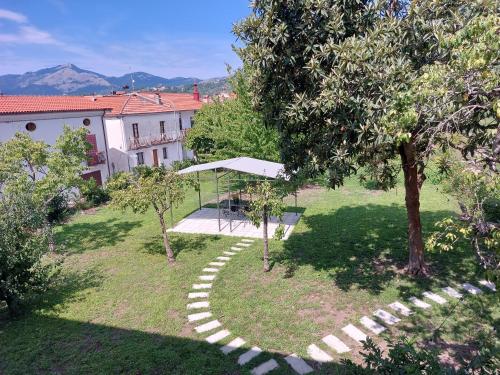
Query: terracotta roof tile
[[13, 104]]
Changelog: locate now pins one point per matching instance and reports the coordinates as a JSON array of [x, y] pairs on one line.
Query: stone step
[[199, 316], [452, 292], [248, 356], [336, 344], [298, 364], [233, 345], [224, 258], [208, 326], [207, 277], [217, 336], [265, 367], [372, 325], [354, 333], [435, 297], [219, 264], [202, 286], [471, 288], [386, 317], [210, 270], [400, 308], [236, 248], [318, 355], [247, 240], [243, 244], [230, 253], [198, 295], [198, 305], [419, 303], [488, 284]]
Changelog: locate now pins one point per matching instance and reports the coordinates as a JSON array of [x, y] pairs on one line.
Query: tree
[[145, 187], [266, 201], [342, 82], [231, 128]]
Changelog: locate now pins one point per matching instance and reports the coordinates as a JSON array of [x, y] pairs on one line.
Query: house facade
[[44, 118]]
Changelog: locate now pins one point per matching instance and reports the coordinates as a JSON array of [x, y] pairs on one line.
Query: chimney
[[196, 94], [158, 99]]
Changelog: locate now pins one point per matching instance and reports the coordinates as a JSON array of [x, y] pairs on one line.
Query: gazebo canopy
[[242, 164]]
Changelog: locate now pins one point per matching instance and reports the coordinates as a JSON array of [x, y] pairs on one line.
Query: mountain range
[[68, 79]]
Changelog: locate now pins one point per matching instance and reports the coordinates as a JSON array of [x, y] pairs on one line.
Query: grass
[[118, 308]]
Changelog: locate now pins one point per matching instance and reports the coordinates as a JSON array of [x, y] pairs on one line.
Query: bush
[[58, 209], [93, 194], [177, 165]]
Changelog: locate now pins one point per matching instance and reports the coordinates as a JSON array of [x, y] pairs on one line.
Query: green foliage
[[24, 271], [93, 194], [58, 209], [232, 128], [177, 165], [266, 199]]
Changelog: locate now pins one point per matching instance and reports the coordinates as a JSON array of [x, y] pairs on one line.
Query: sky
[[169, 38]]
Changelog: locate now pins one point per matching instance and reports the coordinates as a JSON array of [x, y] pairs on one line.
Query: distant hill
[[69, 79]]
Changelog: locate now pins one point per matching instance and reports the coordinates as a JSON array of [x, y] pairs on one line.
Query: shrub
[[93, 194]]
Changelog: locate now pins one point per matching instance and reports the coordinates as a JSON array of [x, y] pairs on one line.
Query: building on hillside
[[43, 118], [148, 128]]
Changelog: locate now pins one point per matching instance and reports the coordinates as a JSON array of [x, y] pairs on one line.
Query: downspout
[[105, 143]]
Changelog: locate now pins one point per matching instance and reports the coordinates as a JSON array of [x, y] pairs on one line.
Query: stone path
[[217, 335]]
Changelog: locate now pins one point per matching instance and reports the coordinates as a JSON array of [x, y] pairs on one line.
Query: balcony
[[156, 139], [96, 158]]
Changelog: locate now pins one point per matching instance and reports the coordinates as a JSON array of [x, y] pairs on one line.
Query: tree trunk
[[50, 236], [416, 264], [166, 243], [266, 241]]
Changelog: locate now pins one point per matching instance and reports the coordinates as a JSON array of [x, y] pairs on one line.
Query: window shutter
[[92, 153]]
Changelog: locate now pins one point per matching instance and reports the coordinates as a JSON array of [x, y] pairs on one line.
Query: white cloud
[[13, 16], [28, 35]]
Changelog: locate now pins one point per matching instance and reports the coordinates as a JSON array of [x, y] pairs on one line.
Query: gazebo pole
[[217, 188], [296, 213], [229, 205], [199, 188]]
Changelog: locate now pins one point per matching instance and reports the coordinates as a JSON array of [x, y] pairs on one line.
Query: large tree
[[341, 82]]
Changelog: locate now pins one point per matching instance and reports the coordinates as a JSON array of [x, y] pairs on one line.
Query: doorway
[[155, 157]]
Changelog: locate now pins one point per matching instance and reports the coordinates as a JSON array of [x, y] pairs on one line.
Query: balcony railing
[[156, 139], [96, 158]]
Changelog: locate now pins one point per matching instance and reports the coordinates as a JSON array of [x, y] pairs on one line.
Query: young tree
[[266, 201], [342, 83], [232, 128], [146, 187]]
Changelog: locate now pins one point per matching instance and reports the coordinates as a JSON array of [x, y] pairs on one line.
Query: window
[[165, 154], [140, 158], [135, 130], [162, 127], [86, 121], [180, 122], [30, 126]]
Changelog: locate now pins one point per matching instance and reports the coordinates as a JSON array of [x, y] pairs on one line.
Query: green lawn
[[118, 308]]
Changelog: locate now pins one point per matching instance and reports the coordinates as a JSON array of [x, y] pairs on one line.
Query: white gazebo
[[209, 221]]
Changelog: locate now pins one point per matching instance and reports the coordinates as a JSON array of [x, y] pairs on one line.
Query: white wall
[[50, 125]]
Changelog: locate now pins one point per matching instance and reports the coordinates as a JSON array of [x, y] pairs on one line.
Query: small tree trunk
[[166, 242], [416, 264], [50, 236], [266, 241]]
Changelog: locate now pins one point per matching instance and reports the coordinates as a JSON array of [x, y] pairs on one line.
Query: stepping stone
[[208, 326], [434, 297], [198, 305], [207, 277], [400, 308], [198, 295], [372, 325], [220, 264], [211, 270], [336, 344], [419, 303], [488, 284], [354, 333], [247, 240], [248, 356], [233, 345], [224, 258], [202, 286], [386, 317], [199, 316], [243, 244], [298, 364], [236, 248], [471, 288], [318, 355], [229, 253], [452, 292], [217, 336], [265, 367]]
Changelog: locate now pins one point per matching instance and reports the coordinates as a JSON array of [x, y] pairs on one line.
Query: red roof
[[13, 104], [147, 102]]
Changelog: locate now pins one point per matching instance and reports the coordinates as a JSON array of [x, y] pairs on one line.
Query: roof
[[243, 164], [143, 103], [14, 104]]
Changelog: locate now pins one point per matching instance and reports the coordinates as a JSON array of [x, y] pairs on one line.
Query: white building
[[44, 117], [148, 128]]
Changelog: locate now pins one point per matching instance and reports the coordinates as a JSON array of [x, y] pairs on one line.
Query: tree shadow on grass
[[366, 247], [180, 243], [40, 344], [76, 238]]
